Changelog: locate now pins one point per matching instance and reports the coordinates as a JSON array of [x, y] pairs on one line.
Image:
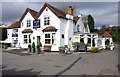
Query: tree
[[91, 23], [3, 33]]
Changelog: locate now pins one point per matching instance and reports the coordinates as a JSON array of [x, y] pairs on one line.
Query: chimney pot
[[70, 10]]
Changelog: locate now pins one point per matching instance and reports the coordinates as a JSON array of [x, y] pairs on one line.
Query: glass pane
[[25, 36], [47, 35], [47, 41]]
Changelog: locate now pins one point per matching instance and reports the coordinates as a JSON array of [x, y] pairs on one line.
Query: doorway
[[107, 42], [38, 40]]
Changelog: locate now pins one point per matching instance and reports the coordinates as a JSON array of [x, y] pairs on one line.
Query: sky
[[104, 13]]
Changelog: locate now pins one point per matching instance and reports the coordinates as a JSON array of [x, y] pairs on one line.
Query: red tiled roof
[[27, 31], [56, 11], [107, 34], [36, 14], [50, 28], [14, 25], [32, 12]]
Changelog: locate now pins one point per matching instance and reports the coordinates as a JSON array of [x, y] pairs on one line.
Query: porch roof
[[107, 34], [50, 28], [27, 31]]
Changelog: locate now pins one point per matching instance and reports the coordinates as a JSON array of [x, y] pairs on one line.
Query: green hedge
[[94, 50]]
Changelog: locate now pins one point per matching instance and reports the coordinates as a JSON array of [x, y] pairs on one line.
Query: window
[[99, 42], [15, 41], [86, 30], [62, 35], [47, 39], [78, 26], [29, 38], [22, 23], [53, 38], [47, 35], [15, 30], [28, 23], [46, 20], [25, 39], [15, 35]]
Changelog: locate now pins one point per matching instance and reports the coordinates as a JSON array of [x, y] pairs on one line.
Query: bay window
[[47, 39], [50, 38], [25, 39]]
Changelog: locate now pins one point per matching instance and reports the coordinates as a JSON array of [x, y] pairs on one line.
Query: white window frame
[[28, 22], [25, 39], [46, 20], [48, 38], [51, 38]]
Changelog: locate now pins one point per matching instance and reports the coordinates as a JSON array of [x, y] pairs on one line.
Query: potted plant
[[38, 49], [29, 48], [61, 49], [33, 47]]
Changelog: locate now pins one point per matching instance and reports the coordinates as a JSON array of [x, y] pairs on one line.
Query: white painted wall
[[62, 31], [69, 31], [9, 35], [24, 21], [54, 21], [81, 28]]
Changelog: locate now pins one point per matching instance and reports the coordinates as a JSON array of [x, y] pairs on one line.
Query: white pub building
[[53, 28]]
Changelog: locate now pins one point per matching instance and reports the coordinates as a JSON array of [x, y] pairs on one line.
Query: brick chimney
[[70, 10]]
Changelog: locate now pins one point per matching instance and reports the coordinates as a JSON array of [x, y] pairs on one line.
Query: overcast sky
[[104, 13]]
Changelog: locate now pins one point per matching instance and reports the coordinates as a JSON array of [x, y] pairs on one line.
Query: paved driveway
[[103, 63]]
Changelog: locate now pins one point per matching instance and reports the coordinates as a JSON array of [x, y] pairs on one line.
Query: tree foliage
[[91, 23], [114, 31], [3, 33]]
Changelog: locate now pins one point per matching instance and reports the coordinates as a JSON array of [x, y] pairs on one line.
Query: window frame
[[47, 20], [25, 39], [28, 22], [51, 37], [47, 38]]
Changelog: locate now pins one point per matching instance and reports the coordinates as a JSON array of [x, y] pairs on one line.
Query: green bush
[[61, 49], [94, 50], [77, 43], [29, 46], [38, 46], [33, 45]]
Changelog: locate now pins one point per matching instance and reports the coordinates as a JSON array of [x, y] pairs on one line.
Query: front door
[[38, 39]]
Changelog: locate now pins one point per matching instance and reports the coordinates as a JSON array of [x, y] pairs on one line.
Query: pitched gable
[[17, 23], [56, 11], [32, 12]]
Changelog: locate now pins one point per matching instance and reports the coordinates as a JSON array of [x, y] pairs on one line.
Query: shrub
[[94, 50], [61, 47], [38, 46], [29, 46], [33, 45], [77, 43]]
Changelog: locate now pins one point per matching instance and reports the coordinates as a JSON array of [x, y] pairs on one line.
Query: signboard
[[36, 24]]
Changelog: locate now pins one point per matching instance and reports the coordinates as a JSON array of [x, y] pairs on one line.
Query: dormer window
[[47, 20], [28, 23]]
